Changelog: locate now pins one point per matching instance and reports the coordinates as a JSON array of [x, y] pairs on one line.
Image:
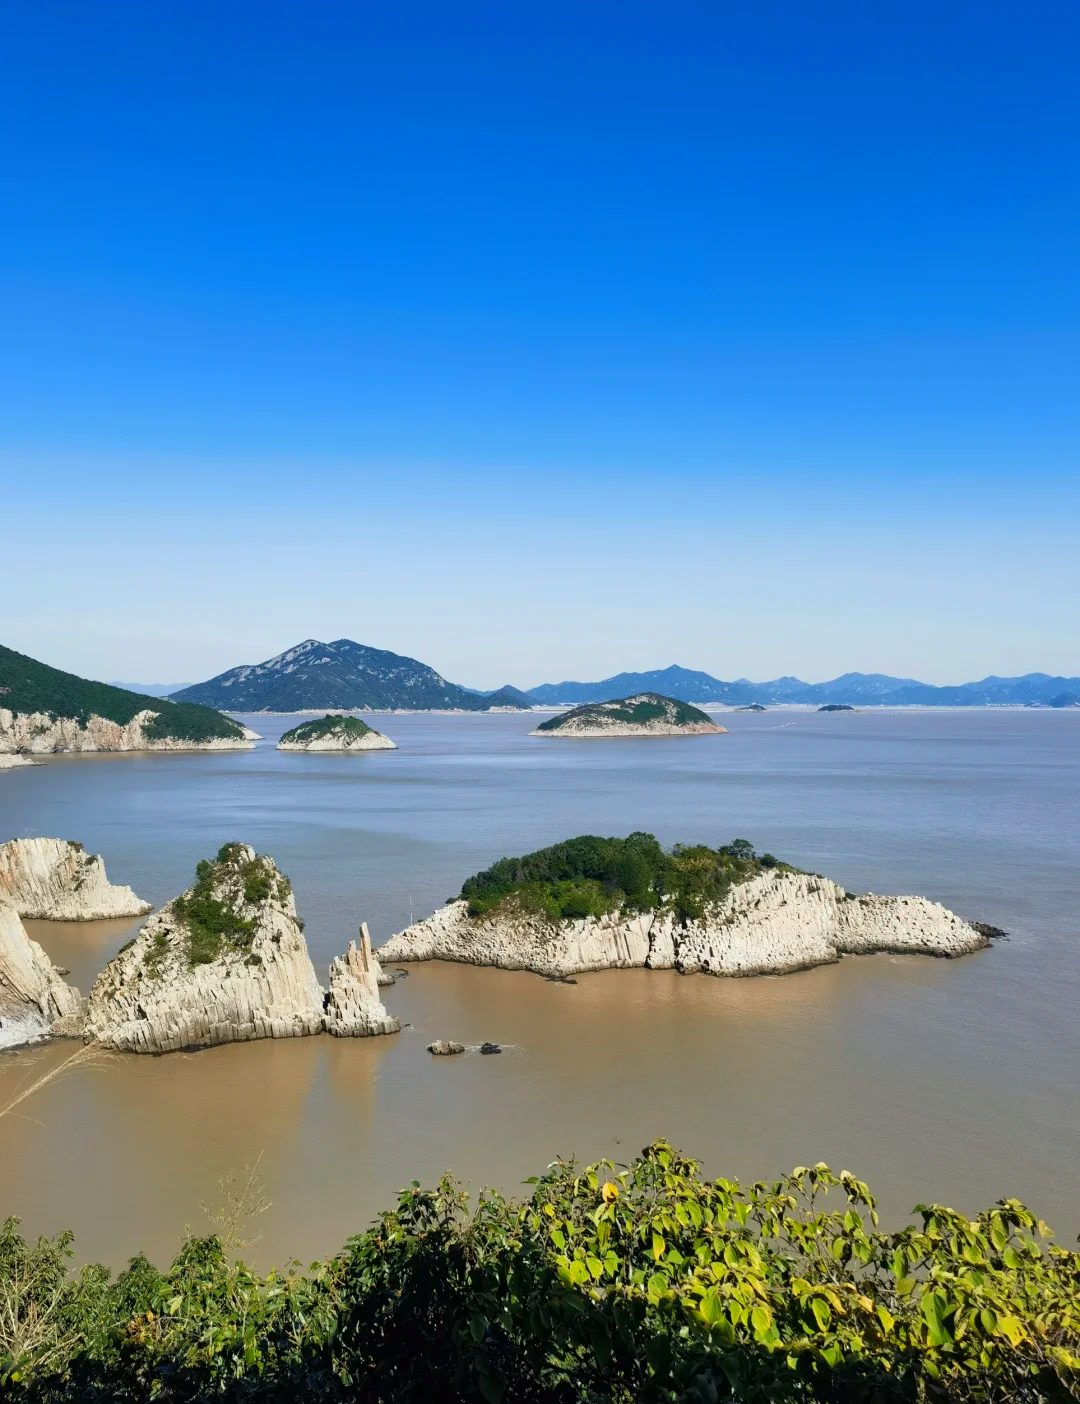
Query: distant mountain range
[[316, 676], [867, 689], [347, 675], [150, 689]]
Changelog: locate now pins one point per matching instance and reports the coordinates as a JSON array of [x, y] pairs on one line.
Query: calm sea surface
[[952, 1080]]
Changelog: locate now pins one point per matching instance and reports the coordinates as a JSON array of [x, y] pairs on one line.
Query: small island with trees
[[647, 714], [335, 733], [594, 903]]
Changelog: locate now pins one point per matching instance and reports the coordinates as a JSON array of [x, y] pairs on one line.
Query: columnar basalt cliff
[[35, 1000], [54, 880], [335, 733], [224, 963], [353, 1006], [776, 922]]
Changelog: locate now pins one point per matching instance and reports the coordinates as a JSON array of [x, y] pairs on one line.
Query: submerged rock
[[353, 1007], [54, 880], [444, 1048], [491, 1048], [776, 922], [35, 1000], [224, 963]]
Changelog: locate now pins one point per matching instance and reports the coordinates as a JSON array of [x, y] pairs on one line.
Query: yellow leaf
[[609, 1192], [1009, 1327]]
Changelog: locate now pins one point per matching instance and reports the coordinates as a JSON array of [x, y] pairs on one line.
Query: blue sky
[[542, 342]]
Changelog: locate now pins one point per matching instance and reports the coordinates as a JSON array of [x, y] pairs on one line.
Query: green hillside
[[588, 876], [29, 686]]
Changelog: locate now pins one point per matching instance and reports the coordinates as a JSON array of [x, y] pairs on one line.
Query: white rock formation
[[353, 1006], [260, 983], [774, 923], [54, 880], [599, 719], [171, 989], [37, 733], [249, 735], [12, 760], [34, 998]]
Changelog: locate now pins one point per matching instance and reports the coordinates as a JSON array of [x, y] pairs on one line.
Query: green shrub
[[209, 912], [619, 1284], [608, 873]]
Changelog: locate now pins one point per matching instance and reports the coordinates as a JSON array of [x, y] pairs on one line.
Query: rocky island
[[335, 733], [35, 1000], [647, 714], [227, 962], [597, 904], [44, 710], [54, 880]]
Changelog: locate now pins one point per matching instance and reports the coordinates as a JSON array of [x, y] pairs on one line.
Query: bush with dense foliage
[[642, 1283], [212, 910], [27, 686], [588, 876]]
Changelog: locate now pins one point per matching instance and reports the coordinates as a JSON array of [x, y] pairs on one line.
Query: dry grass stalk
[[241, 1204], [89, 1055]]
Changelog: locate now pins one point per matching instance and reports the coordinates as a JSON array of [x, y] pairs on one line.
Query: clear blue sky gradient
[[542, 341]]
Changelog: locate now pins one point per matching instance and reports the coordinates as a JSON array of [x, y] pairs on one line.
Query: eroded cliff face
[[54, 880], [227, 962], [35, 1000], [37, 733], [776, 922]]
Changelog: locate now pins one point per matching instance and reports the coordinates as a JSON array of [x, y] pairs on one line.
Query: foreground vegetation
[[589, 876], [27, 686], [646, 1283]]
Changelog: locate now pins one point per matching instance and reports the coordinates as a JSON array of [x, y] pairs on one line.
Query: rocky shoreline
[[40, 733], [54, 880], [774, 924]]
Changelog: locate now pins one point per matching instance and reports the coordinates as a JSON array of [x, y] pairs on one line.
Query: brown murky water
[[958, 1080]]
